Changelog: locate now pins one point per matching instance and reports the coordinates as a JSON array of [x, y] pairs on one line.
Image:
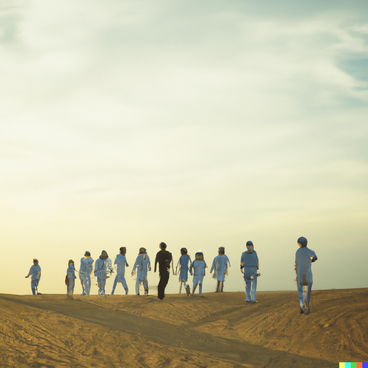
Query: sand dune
[[208, 330]]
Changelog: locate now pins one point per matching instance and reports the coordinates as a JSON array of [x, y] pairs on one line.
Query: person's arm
[[149, 263], [39, 274], [126, 262], [109, 265], [242, 263], [29, 273], [135, 265], [313, 256], [156, 260], [192, 267], [213, 265]]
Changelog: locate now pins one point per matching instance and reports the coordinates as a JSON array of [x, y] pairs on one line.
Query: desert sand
[[208, 330]]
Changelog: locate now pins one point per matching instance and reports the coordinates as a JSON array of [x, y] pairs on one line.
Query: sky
[[200, 124]]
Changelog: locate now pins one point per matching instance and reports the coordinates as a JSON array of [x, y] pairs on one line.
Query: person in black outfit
[[163, 258]]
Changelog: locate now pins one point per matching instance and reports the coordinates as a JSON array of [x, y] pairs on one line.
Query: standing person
[[120, 262], [70, 279], [143, 264], [199, 266], [163, 258], [102, 266], [304, 277], [220, 266], [35, 271], [185, 265], [85, 271], [249, 264]]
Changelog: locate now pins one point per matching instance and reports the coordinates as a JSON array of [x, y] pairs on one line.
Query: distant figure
[[85, 270], [249, 264], [120, 262], [220, 268], [199, 271], [184, 264], [303, 268], [35, 271], [70, 279], [143, 264], [163, 258], [102, 267]]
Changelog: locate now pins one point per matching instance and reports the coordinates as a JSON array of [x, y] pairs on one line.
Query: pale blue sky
[[127, 123]]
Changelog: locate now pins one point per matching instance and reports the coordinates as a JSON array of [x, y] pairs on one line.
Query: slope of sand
[[208, 330]]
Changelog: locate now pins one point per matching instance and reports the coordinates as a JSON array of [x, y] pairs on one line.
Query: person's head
[[302, 242], [142, 250], [250, 246], [123, 250], [199, 256], [221, 251], [35, 261], [104, 255], [183, 251], [71, 262], [87, 254], [163, 246]]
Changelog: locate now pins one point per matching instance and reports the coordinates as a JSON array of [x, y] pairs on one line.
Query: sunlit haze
[[200, 124]]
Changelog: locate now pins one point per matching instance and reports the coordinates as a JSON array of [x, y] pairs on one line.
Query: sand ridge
[[208, 330]]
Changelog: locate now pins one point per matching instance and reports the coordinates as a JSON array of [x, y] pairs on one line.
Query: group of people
[[249, 266]]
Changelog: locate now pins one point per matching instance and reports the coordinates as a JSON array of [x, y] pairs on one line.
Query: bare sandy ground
[[211, 330]]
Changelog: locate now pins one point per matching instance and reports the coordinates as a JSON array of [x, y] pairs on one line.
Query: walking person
[[163, 258], [35, 271], [141, 266], [199, 271], [304, 277], [120, 262], [220, 268], [185, 265], [249, 264], [70, 279], [85, 270], [102, 267]]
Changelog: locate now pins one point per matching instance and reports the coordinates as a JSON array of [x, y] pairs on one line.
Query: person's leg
[[300, 293], [307, 299], [84, 281], [70, 287], [33, 286], [187, 288], [222, 286], [200, 288], [218, 286], [195, 283], [88, 285], [114, 286], [164, 278], [254, 288], [103, 279], [82, 278], [137, 284], [247, 290], [125, 286], [145, 285]]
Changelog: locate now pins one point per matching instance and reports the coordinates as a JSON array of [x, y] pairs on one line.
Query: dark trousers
[[164, 279]]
